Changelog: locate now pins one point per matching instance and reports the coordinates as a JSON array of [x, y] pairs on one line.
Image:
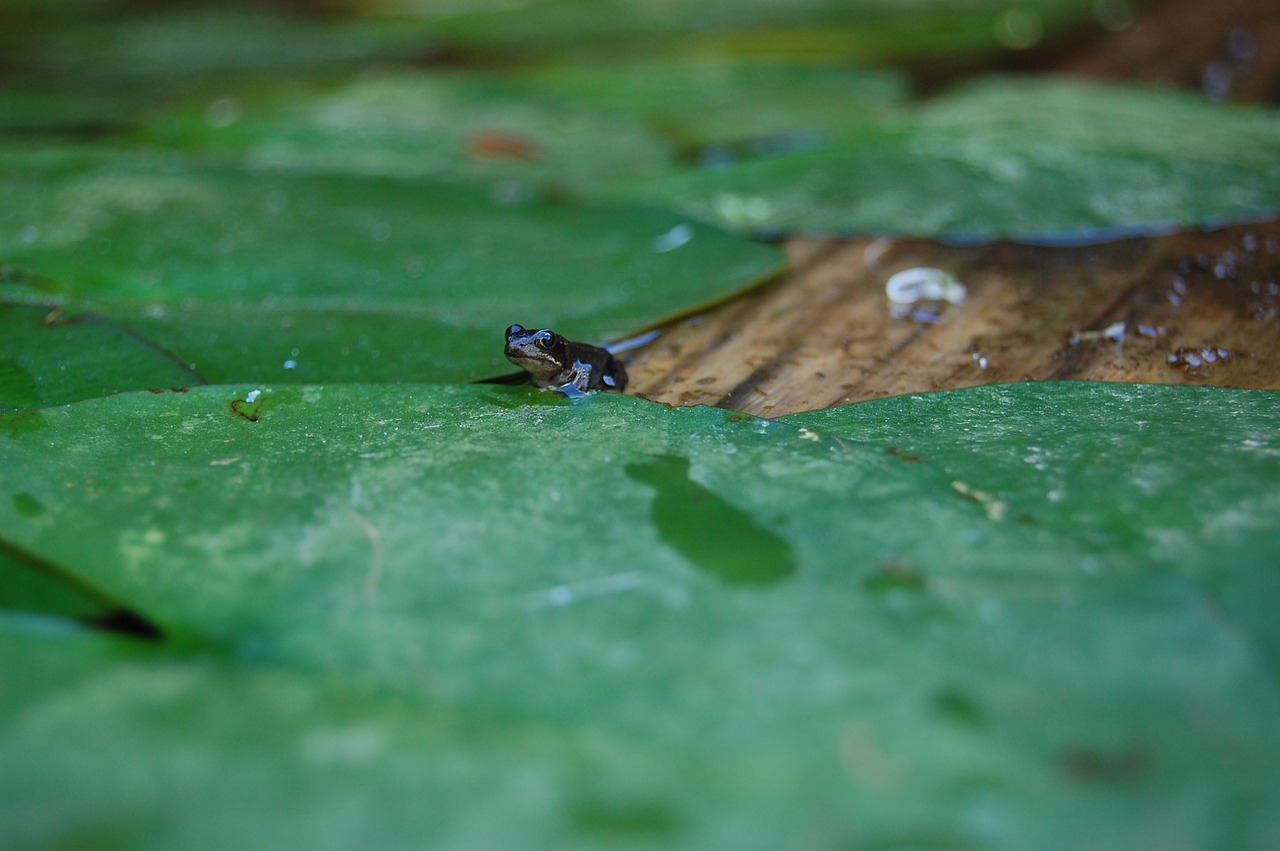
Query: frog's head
[[542, 353]]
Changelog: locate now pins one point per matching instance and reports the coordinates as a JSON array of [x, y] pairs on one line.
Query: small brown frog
[[574, 369]]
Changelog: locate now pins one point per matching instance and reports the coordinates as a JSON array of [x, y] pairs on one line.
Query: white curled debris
[[922, 294], [1114, 332], [924, 284]]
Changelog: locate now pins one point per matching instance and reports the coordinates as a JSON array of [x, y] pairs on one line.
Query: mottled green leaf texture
[[488, 617], [1034, 160], [1185, 476]]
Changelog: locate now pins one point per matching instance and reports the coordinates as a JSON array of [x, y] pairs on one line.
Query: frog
[[554, 363]]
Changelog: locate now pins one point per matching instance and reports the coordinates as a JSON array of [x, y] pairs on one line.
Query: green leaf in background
[[921, 666], [248, 275], [550, 128], [774, 106], [129, 45], [483, 128], [861, 29], [46, 361], [89, 70], [1029, 160]]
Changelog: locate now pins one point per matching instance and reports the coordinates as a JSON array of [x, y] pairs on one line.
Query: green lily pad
[[919, 666], [247, 275], [1033, 160]]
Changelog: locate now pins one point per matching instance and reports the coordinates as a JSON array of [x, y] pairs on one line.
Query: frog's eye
[[543, 339]]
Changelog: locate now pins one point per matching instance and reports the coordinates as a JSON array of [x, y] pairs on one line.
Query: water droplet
[[673, 239], [742, 209], [291, 364], [29, 234]]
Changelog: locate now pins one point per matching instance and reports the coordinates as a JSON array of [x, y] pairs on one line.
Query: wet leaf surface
[[476, 597], [1185, 476]]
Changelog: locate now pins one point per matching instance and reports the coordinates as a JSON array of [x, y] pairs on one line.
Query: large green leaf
[[1187, 476], [45, 361], [108, 746], [1024, 159], [890, 658], [250, 275]]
